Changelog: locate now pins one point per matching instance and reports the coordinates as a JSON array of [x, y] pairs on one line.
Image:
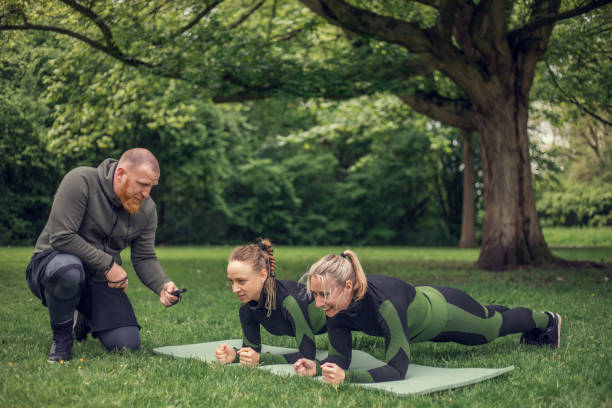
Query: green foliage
[[574, 78], [578, 205], [176, 56], [360, 171], [574, 179], [574, 176], [384, 176], [28, 175], [234, 172], [209, 311]]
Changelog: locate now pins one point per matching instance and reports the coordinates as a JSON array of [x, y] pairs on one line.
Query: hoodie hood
[[106, 172]]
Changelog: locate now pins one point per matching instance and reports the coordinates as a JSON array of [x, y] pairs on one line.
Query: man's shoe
[[550, 336], [80, 327], [61, 348]]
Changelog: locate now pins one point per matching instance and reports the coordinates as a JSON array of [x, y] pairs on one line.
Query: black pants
[[61, 283]]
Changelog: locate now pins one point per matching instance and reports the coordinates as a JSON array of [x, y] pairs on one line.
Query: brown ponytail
[[260, 255], [270, 284]]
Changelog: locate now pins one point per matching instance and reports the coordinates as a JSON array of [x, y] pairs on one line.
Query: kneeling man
[[76, 266]]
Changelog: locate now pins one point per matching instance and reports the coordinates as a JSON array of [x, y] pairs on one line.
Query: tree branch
[[158, 8], [401, 71], [592, 142], [92, 43], [97, 20], [111, 48], [388, 29], [413, 67], [551, 18], [497, 27], [573, 100], [454, 112], [247, 14], [446, 19], [477, 30], [288, 36], [196, 19], [17, 11]]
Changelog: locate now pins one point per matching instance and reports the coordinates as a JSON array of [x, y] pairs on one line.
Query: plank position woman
[[281, 307], [401, 313]]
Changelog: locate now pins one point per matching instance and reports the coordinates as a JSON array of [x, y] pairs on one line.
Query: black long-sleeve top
[[296, 315], [390, 308]]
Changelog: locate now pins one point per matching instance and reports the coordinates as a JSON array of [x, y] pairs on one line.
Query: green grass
[[578, 236], [578, 374]]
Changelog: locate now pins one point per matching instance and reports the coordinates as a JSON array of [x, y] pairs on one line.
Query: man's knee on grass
[[121, 338]]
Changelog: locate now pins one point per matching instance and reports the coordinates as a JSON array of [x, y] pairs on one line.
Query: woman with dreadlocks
[[282, 307]]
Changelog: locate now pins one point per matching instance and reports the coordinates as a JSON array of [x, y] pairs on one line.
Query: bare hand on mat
[[305, 367], [248, 357], [225, 354], [332, 374]]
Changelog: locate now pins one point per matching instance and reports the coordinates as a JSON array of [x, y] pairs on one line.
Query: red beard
[[131, 204]]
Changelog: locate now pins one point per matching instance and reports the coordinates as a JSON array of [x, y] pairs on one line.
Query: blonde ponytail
[[339, 268], [360, 283]]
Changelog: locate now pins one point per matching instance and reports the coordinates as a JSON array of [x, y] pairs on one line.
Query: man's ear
[[119, 174]]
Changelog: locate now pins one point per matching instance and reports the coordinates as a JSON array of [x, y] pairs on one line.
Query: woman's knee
[[121, 338]]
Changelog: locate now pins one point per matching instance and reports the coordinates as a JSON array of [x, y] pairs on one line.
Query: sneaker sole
[[558, 316], [57, 361]]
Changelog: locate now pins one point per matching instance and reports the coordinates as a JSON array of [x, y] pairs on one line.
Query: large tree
[[476, 62], [490, 53]]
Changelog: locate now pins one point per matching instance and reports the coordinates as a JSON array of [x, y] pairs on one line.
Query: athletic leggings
[[471, 323]]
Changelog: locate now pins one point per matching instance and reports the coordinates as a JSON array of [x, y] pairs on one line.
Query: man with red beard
[[76, 266]]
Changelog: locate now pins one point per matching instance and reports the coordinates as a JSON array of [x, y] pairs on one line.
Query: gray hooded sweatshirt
[[88, 220]]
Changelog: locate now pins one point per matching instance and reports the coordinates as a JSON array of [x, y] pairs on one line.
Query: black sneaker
[[61, 348], [550, 336], [81, 328], [532, 337]]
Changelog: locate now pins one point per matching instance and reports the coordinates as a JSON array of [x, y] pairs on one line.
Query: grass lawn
[[578, 236], [579, 374]]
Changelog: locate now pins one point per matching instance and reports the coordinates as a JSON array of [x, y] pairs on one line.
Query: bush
[[577, 205]]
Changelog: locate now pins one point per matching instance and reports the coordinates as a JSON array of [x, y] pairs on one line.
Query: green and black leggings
[[470, 323], [402, 313]]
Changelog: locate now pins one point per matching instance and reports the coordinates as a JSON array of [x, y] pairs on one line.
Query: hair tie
[[261, 245], [343, 255]]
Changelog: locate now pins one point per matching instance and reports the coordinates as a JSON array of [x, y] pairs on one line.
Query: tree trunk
[[512, 235], [468, 238]]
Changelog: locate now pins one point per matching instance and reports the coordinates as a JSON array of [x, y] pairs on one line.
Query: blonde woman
[[283, 308], [401, 313]]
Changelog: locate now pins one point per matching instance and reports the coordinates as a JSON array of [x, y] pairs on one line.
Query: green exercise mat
[[419, 379]]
